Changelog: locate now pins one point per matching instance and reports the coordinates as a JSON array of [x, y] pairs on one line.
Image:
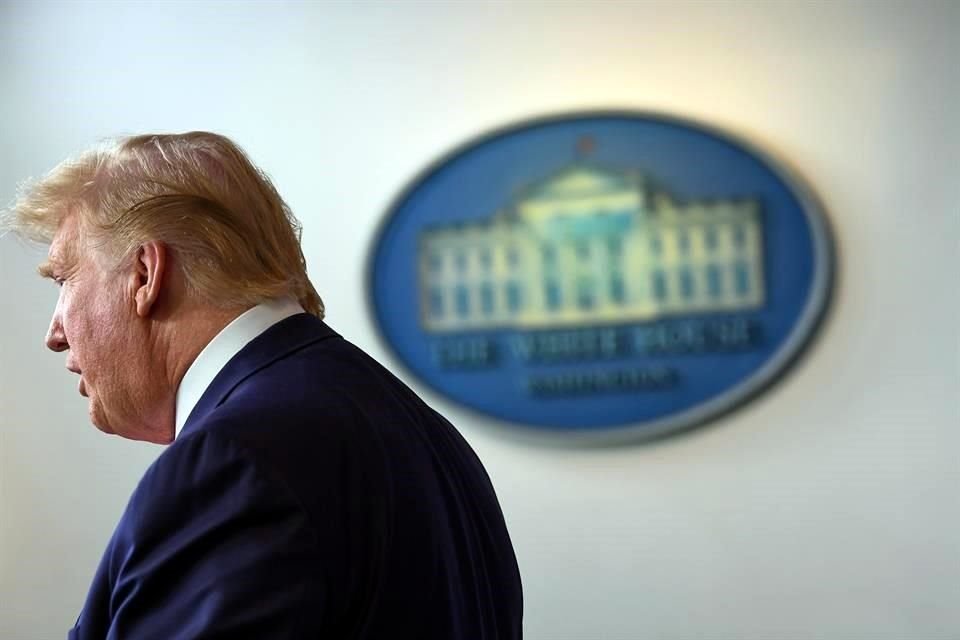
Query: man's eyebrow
[[61, 259], [49, 267], [46, 269]]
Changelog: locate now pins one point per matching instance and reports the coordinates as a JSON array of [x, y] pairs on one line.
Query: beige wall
[[827, 508]]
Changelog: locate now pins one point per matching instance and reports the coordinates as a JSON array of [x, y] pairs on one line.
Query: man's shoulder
[[315, 374], [280, 387], [331, 383], [311, 439]]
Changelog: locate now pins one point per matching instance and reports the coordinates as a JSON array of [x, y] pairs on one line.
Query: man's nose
[[56, 340]]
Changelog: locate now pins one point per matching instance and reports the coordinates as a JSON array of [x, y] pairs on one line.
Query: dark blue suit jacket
[[310, 495]]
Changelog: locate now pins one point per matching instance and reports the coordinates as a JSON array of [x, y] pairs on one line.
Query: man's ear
[[151, 270]]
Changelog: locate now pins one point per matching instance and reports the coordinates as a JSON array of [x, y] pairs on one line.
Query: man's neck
[[177, 343]]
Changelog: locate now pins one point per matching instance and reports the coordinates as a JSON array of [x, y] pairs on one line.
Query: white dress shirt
[[226, 344]]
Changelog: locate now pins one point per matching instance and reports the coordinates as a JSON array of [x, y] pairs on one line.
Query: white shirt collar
[[226, 344]]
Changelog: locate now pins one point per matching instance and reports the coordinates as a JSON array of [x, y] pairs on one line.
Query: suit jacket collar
[[279, 341]]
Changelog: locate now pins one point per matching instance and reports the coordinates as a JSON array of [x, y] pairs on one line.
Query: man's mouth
[[81, 387]]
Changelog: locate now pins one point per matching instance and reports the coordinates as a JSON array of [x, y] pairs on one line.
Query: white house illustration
[[591, 246]]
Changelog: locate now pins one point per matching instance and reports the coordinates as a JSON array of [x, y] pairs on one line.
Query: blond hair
[[235, 237]]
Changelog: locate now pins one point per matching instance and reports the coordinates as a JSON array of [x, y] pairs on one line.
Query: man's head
[[157, 242]]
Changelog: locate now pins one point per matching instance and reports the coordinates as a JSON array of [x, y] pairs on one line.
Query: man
[[306, 492]]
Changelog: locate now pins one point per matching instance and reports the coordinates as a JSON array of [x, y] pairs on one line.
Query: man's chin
[[129, 429], [105, 428], [98, 419], [141, 435]]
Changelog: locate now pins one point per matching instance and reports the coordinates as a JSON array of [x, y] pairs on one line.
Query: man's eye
[[59, 281]]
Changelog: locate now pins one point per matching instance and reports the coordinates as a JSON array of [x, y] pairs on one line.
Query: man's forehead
[[62, 249], [67, 231]]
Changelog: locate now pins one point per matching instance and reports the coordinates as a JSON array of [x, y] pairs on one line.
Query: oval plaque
[[602, 275]]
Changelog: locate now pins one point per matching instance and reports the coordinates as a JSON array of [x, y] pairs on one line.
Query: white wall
[[827, 508]]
